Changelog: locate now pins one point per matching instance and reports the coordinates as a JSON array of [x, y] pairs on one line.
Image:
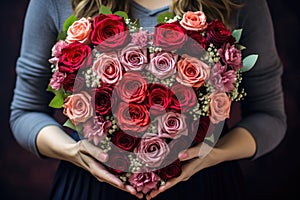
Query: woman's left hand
[[197, 158]]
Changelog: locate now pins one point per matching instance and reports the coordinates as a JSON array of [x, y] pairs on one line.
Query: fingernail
[[183, 155], [103, 157]]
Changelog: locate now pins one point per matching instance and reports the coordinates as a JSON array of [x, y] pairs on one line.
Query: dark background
[[274, 176]]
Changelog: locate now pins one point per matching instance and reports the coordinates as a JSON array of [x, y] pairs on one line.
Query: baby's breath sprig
[[237, 94], [168, 82], [105, 145], [114, 126], [91, 78], [202, 106], [135, 164], [212, 55]]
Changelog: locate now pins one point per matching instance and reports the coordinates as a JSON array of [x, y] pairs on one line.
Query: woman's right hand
[[53, 142]]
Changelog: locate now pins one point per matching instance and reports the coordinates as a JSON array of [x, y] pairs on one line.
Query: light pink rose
[[152, 150], [221, 79], [78, 108], [96, 129], [162, 64], [172, 125], [231, 56], [219, 107], [79, 31], [140, 38], [192, 71], [108, 67], [57, 48], [133, 58], [144, 182], [194, 21], [57, 80]]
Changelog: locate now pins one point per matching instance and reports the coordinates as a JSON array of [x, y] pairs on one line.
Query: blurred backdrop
[[274, 176]]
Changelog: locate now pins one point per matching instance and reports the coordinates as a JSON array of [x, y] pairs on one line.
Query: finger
[[96, 152], [152, 194], [190, 153]]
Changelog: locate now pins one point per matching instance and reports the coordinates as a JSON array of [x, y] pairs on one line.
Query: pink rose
[[194, 21], [57, 80], [108, 67], [221, 79], [144, 182], [79, 31], [219, 107], [78, 108], [162, 64], [96, 129], [231, 56], [133, 58], [140, 38], [172, 125], [192, 71], [152, 150], [132, 117]]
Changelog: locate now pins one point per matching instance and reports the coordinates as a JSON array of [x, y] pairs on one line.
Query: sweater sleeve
[[29, 107], [263, 113]]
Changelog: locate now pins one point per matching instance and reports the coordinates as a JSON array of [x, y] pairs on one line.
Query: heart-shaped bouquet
[[141, 96]]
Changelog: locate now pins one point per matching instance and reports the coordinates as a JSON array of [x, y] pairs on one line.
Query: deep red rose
[[125, 141], [200, 129], [73, 83], [172, 170], [118, 163], [103, 100], [133, 117], [73, 57], [159, 99], [184, 98], [109, 32], [169, 36], [218, 34], [132, 88], [195, 45]]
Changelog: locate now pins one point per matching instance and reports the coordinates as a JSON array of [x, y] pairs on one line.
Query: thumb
[[94, 151]]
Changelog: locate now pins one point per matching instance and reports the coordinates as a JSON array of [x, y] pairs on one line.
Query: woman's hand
[[236, 144], [53, 142], [198, 158]]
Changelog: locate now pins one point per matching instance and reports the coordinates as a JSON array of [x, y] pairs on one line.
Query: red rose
[[169, 36], [159, 99], [195, 45], [132, 88], [124, 141], [73, 57], [184, 98], [118, 163], [133, 117], [103, 100], [200, 129], [218, 34], [73, 83], [109, 32], [171, 171]]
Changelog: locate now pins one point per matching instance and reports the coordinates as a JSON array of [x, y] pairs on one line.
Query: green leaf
[[58, 100], [70, 125], [104, 10], [237, 34], [69, 21], [240, 47], [249, 62], [122, 14], [62, 35], [164, 17]]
